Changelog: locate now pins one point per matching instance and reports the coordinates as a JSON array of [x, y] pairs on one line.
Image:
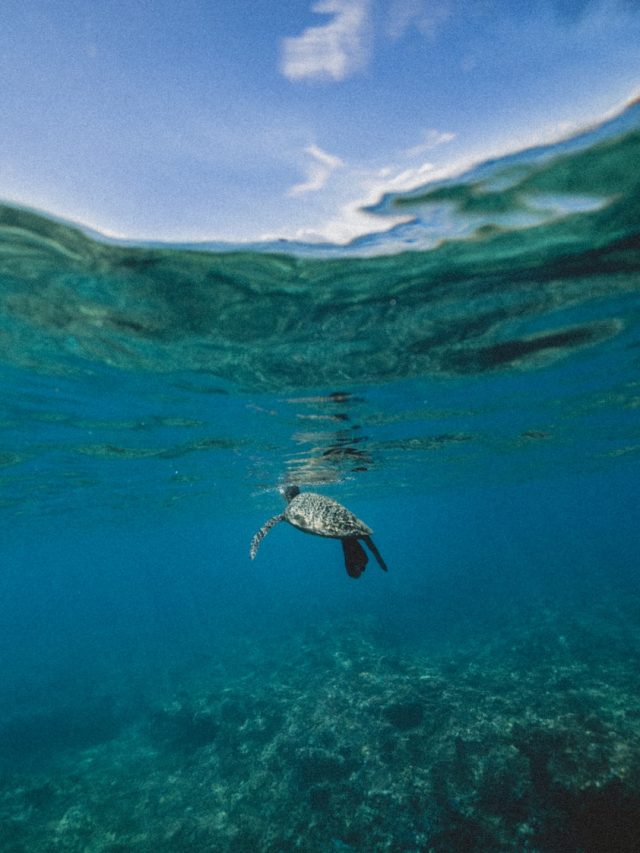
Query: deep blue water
[[468, 385]]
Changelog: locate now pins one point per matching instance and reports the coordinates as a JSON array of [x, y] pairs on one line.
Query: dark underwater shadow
[[31, 741]]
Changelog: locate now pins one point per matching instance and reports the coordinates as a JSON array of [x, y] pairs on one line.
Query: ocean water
[[468, 383]]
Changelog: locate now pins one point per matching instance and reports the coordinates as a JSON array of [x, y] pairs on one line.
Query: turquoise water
[[467, 383]]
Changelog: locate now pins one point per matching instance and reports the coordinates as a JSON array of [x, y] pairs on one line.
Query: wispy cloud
[[432, 139], [334, 50], [319, 170], [425, 15]]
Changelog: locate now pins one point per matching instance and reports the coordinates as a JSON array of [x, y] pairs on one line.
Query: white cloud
[[319, 170], [407, 179], [359, 189], [334, 50]]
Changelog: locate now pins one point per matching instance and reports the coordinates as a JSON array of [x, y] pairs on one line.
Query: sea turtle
[[313, 513]]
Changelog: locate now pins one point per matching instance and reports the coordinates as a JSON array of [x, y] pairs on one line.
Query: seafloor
[[345, 737]]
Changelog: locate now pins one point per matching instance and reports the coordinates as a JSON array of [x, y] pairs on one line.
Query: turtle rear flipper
[[355, 557], [375, 552], [266, 527]]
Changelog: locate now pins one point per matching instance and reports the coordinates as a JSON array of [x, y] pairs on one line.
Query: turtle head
[[289, 492]]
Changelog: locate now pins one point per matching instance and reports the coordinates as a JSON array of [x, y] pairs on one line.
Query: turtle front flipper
[[375, 552], [355, 557], [266, 527]]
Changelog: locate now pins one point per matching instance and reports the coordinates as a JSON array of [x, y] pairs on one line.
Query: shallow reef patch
[[338, 739]]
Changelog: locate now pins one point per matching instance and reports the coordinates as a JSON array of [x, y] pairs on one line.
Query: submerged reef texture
[[347, 738]]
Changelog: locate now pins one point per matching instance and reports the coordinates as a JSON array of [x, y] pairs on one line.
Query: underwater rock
[[404, 715], [597, 819], [320, 797], [75, 826], [315, 765], [40, 796], [183, 728]]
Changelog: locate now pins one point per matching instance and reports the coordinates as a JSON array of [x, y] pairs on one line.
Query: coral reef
[[344, 740]]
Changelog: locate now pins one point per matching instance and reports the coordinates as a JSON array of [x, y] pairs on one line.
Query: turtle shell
[[323, 516]]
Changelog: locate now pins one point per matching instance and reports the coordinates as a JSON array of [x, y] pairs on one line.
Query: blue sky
[[220, 120]]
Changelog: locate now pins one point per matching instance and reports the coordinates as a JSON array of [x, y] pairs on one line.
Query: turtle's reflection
[[328, 454]]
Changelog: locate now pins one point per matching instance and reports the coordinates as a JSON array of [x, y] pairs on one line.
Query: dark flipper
[[375, 552], [355, 557]]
